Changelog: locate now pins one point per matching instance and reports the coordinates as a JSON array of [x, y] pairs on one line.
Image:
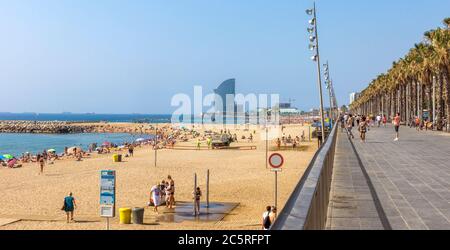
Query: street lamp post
[[329, 86], [315, 46]]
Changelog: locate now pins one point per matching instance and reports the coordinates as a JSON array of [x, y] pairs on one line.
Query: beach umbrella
[[72, 149], [1, 157], [51, 150], [8, 157]]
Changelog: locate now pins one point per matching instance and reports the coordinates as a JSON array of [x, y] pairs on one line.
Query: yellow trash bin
[[125, 215], [117, 158]]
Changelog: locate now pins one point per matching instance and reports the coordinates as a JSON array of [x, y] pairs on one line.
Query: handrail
[[307, 207]]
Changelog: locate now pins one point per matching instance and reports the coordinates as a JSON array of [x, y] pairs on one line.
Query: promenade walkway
[[384, 184]]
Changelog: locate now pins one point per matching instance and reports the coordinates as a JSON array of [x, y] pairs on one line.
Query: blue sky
[[111, 56]]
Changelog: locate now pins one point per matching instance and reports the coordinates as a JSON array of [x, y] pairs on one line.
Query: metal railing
[[307, 207]]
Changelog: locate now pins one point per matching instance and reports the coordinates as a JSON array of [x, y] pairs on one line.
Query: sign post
[[107, 195], [276, 161]]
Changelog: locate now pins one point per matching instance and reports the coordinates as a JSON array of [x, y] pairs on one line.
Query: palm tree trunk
[[446, 83], [439, 102]]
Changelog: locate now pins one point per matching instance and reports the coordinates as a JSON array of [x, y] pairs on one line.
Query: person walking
[[266, 223], [350, 123], [397, 120], [69, 206], [41, 162], [363, 129]]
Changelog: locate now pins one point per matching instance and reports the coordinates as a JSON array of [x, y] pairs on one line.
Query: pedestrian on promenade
[[350, 123], [69, 206], [266, 223], [397, 120], [384, 120], [363, 129]]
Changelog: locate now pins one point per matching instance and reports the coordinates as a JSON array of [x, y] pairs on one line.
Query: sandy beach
[[238, 176]]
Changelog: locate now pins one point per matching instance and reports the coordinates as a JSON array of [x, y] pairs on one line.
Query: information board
[[108, 193]]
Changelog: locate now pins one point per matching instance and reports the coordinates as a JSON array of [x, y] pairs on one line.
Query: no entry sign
[[276, 161]]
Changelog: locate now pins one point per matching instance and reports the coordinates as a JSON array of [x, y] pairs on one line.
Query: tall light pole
[[329, 86], [314, 45]]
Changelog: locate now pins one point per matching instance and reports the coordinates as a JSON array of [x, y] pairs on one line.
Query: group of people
[[364, 123], [290, 140], [164, 191]]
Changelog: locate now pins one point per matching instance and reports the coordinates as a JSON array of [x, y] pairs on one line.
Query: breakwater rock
[[43, 127], [60, 127]]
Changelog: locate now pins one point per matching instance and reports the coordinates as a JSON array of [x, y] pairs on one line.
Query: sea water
[[16, 144]]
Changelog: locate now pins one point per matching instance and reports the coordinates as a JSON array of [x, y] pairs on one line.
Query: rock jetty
[[43, 127], [60, 127]]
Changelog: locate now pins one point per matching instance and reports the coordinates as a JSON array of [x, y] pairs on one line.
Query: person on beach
[[397, 120], [363, 129], [131, 150], [172, 190], [273, 215], [41, 162], [266, 223], [69, 206], [197, 197], [155, 196]]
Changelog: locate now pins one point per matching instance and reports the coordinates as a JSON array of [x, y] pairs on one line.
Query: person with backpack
[[266, 222]]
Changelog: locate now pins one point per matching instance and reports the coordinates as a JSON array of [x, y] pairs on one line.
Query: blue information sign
[[107, 193]]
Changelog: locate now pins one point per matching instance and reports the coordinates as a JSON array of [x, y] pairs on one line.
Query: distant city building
[[353, 97], [285, 105], [225, 89]]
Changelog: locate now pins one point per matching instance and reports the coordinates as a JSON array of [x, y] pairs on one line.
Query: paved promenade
[[391, 185]]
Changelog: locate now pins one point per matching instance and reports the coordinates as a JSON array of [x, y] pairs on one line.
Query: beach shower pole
[[107, 223], [207, 188], [195, 190]]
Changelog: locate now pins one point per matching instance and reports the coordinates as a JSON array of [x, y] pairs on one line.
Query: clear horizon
[[112, 57]]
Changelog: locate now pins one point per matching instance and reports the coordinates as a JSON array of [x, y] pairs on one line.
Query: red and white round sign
[[276, 160]]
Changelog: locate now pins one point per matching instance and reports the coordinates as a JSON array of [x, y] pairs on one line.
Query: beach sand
[[238, 176]]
